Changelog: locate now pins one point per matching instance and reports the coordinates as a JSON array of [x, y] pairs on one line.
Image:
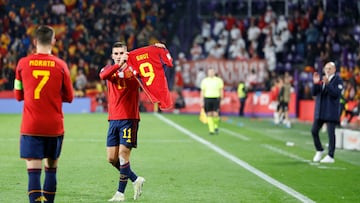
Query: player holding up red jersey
[[124, 117], [43, 82], [150, 63]]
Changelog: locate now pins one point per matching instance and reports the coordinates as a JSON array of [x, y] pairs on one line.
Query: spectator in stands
[[125, 10], [312, 34], [326, 53], [281, 25], [253, 32], [182, 58], [235, 33], [233, 50], [350, 113], [205, 29], [196, 51], [219, 25], [349, 92], [252, 80], [101, 102], [210, 43], [224, 39], [80, 84], [230, 21], [243, 54], [279, 47], [269, 15], [269, 52], [58, 8], [179, 102], [217, 52], [179, 81], [311, 53], [8, 72], [200, 75]]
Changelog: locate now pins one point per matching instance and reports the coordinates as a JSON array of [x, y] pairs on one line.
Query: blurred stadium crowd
[[85, 31], [294, 36]]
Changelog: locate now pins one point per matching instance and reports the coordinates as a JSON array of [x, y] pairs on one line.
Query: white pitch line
[[241, 163], [293, 156], [235, 134], [285, 153]]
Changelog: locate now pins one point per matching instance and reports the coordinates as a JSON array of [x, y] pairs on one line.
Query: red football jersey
[[43, 82], [148, 62], [274, 93], [123, 94]]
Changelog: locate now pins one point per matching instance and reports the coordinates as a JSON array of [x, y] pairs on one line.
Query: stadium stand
[[292, 36]]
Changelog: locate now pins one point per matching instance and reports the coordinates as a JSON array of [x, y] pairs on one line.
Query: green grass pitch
[[248, 161]]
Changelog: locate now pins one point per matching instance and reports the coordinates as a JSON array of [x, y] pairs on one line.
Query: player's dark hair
[[119, 44], [44, 34]]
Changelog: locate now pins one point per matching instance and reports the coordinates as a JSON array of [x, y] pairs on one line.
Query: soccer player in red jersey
[[123, 117], [43, 83]]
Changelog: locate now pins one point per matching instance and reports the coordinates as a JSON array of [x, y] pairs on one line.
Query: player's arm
[[18, 85], [221, 83], [18, 90], [67, 90], [126, 71], [221, 93], [108, 71]]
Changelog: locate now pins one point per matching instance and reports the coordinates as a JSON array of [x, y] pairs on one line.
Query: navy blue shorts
[[122, 132], [37, 147]]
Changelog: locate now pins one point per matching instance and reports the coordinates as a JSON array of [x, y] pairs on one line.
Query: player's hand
[[123, 58], [125, 74], [325, 79], [160, 45], [316, 77]]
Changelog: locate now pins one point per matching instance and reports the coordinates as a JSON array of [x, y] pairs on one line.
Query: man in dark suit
[[327, 110]]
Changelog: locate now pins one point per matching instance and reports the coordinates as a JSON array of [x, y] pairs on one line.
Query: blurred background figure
[[178, 88], [212, 91], [80, 84], [284, 99], [242, 94]]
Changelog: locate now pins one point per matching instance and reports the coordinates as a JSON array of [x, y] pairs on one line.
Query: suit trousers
[[317, 125]]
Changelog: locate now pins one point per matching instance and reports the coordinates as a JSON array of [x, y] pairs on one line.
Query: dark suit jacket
[[327, 105]]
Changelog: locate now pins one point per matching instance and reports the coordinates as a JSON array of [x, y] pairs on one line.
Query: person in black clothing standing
[[327, 110]]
